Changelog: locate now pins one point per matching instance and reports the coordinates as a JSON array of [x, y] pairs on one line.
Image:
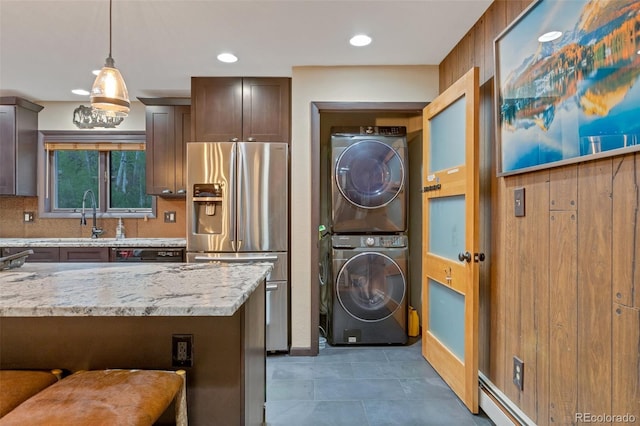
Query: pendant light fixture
[[109, 92]]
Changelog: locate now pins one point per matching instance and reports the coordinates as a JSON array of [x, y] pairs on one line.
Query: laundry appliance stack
[[369, 247]]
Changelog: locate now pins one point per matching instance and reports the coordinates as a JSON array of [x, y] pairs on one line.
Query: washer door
[[370, 286], [369, 174]]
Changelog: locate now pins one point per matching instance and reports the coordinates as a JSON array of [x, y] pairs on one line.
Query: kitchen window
[[111, 166]]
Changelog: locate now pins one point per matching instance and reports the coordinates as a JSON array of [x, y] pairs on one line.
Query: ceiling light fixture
[[109, 92], [360, 40], [229, 58], [80, 92], [550, 36]]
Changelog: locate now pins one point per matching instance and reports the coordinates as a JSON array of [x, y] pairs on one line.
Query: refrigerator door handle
[[233, 196], [240, 194]]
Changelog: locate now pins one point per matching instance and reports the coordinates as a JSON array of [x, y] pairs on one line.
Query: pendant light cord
[[110, 6]]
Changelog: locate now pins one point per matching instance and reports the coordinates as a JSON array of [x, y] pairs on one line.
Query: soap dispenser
[[119, 230]]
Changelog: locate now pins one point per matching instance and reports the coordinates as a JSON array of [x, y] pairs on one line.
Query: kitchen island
[[81, 316]]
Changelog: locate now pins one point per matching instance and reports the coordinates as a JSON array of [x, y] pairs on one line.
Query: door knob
[[464, 256]]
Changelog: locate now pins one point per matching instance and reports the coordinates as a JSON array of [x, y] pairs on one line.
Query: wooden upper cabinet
[[18, 146], [168, 129], [241, 109]]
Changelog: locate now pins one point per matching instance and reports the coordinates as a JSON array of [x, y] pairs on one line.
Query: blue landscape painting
[[574, 96]]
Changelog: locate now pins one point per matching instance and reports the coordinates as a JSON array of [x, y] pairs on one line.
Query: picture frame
[[571, 98]]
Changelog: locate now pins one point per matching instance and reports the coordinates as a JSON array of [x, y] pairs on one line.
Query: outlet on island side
[[182, 350]]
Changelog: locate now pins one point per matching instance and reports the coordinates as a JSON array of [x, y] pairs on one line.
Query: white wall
[[59, 116], [333, 84]]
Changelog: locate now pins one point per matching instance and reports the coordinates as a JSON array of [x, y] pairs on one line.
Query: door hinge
[[478, 257]]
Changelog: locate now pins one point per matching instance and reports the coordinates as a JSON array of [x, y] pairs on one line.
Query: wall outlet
[[182, 350], [170, 217], [28, 216], [518, 373]]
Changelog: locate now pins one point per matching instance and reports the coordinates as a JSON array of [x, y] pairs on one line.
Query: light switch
[[28, 216], [518, 202], [169, 217]]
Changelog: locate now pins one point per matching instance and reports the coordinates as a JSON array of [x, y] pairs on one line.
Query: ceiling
[[49, 47]]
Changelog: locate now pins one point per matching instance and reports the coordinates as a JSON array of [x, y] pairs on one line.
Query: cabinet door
[[168, 127], [216, 105], [161, 176], [266, 109], [84, 254], [182, 133], [40, 254], [18, 148], [7, 150]]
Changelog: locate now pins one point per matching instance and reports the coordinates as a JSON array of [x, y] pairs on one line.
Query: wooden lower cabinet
[[225, 386], [62, 254], [40, 254]]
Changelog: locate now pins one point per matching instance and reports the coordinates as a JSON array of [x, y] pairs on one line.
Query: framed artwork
[[567, 83]]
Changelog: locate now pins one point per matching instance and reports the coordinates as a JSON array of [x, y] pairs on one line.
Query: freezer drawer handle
[[238, 259], [271, 287]]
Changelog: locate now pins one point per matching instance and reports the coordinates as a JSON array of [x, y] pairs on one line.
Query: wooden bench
[[105, 397], [16, 386]]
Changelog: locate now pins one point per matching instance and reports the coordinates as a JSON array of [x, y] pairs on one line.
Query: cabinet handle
[[251, 139], [182, 191], [234, 140], [167, 191]]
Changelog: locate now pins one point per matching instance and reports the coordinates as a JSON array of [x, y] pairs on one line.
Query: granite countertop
[[116, 289], [93, 242]]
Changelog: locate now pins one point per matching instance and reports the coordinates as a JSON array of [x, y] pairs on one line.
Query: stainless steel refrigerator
[[237, 211]]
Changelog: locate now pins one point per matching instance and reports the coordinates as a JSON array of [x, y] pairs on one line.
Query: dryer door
[[369, 174], [371, 286]]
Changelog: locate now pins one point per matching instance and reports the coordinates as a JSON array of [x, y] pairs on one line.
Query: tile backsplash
[[12, 224]]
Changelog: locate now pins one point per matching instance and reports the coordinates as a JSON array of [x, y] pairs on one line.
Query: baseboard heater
[[498, 407]]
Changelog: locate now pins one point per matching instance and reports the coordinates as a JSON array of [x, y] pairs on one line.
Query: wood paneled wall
[[564, 279]]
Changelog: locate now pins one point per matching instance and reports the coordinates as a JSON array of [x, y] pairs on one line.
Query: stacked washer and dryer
[[369, 243]]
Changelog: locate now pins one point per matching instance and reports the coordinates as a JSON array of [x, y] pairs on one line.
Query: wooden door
[[450, 222]]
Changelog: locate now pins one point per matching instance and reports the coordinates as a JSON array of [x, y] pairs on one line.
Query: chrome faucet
[[95, 231]]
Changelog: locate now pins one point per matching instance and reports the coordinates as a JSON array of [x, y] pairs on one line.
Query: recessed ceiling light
[[227, 57], [638, 52], [550, 36], [80, 92], [95, 72], [360, 40]]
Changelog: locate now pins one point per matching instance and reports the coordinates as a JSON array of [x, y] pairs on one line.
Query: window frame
[[46, 190]]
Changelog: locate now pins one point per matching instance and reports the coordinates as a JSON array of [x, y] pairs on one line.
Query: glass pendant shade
[[109, 92]]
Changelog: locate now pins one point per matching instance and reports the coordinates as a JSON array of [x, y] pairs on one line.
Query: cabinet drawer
[[84, 254], [40, 254]]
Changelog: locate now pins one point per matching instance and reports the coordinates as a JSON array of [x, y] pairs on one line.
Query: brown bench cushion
[[17, 386], [101, 397]]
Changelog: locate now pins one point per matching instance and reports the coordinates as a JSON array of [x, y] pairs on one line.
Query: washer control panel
[[369, 241], [383, 130]]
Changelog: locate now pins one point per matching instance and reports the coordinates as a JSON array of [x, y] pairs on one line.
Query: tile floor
[[374, 385]]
